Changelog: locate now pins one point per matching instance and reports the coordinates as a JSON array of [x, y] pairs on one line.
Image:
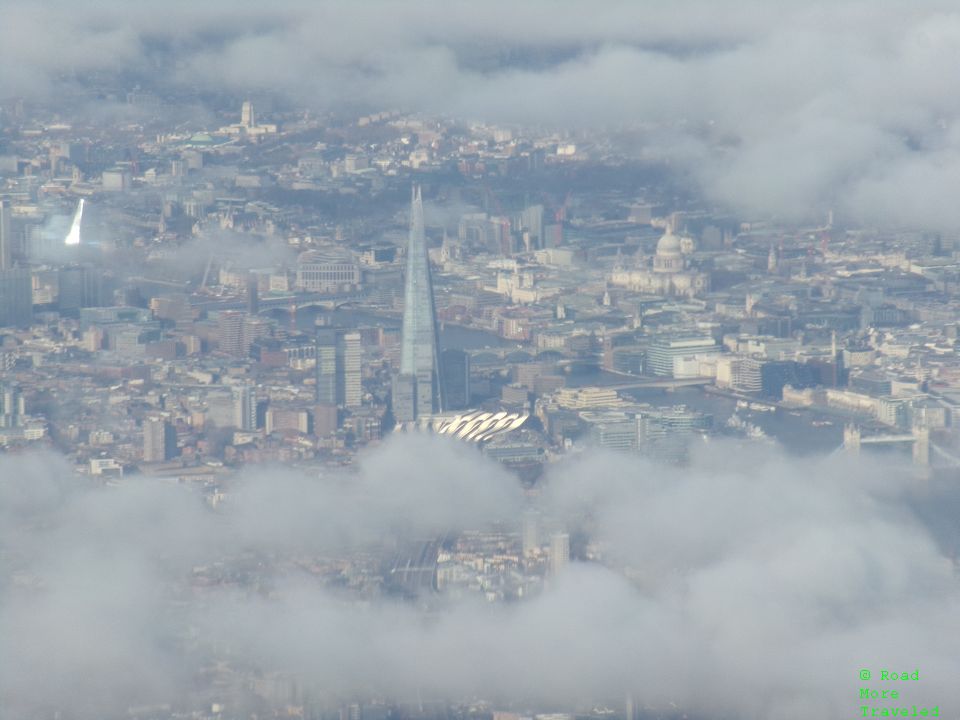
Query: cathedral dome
[[668, 245]]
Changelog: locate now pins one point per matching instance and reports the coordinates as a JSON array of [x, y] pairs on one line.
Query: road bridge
[[298, 301], [919, 438]]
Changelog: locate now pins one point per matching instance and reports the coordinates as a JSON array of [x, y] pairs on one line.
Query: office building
[[331, 269], [531, 532], [627, 360], [611, 430], [419, 347], [777, 374], [220, 408], [6, 236], [665, 433], [286, 420], [559, 552], [455, 370], [531, 221], [325, 420], [664, 353], [746, 375], [16, 298], [255, 329], [79, 287], [117, 179]]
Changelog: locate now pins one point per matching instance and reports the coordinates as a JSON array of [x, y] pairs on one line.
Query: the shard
[[417, 390]]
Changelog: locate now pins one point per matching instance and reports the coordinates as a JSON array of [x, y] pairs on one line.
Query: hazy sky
[[775, 106], [762, 585]]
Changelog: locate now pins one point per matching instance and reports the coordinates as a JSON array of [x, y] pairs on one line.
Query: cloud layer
[[773, 107], [756, 589]]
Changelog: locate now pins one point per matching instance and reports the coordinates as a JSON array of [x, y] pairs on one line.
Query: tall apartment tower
[[419, 345], [230, 332], [159, 439], [12, 408], [247, 118], [326, 386], [532, 222], [349, 355], [338, 367], [245, 407]]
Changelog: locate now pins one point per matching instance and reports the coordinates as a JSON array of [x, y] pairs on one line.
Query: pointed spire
[[417, 229], [419, 356]]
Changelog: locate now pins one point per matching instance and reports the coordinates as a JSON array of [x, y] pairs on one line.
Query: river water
[[451, 336], [791, 429]]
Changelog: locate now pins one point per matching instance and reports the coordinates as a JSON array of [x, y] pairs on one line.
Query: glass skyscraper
[[419, 347]]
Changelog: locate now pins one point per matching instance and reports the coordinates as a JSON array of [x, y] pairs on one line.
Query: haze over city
[[479, 361]]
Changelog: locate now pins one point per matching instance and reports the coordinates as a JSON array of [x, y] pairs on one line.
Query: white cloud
[[817, 105], [761, 584]]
